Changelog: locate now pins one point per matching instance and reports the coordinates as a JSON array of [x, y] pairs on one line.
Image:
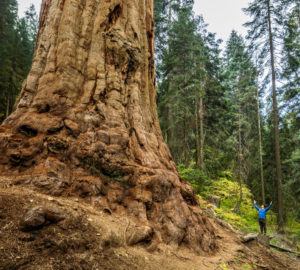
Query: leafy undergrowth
[[227, 188]]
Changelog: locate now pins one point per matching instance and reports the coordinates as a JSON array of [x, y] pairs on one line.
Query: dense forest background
[[17, 40], [232, 112], [235, 110]]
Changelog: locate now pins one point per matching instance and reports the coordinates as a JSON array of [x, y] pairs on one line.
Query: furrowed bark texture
[[86, 124]]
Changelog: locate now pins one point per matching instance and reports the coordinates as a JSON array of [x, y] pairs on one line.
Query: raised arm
[[256, 205], [269, 206]]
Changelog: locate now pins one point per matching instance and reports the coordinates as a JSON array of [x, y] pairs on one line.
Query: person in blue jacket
[[262, 217]]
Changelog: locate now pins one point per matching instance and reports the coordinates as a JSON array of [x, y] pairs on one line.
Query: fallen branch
[[285, 250], [262, 239]]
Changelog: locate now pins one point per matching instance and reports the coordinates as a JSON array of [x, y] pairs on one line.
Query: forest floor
[[88, 238]]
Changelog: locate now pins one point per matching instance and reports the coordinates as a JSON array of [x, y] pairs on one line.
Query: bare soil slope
[[80, 235]]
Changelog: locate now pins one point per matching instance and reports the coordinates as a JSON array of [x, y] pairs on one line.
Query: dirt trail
[[92, 238]]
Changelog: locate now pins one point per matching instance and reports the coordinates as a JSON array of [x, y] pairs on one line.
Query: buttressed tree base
[[85, 123]]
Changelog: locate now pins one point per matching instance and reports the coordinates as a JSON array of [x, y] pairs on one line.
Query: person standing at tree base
[[262, 217]]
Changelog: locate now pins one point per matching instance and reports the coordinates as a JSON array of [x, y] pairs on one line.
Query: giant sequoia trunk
[[86, 124]]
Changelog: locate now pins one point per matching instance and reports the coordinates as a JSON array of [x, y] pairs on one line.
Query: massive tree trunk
[[86, 124]]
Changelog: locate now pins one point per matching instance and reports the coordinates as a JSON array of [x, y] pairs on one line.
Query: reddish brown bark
[[86, 123]]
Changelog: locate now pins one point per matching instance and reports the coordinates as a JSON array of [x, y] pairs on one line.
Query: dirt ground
[[90, 238]]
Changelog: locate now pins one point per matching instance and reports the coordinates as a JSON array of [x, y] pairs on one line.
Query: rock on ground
[[88, 237]]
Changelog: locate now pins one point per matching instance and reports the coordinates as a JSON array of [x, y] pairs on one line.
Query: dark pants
[[262, 225]]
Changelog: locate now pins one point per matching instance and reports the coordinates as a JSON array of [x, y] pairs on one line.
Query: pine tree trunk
[[276, 128], [7, 103], [198, 159], [9, 96], [261, 169], [170, 131], [201, 117], [185, 127], [238, 205], [86, 122]]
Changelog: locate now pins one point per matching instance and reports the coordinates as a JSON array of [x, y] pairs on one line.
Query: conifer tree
[[174, 95], [8, 19], [261, 170], [31, 20], [208, 93], [263, 31], [16, 51], [199, 80], [192, 57], [291, 52], [240, 72]]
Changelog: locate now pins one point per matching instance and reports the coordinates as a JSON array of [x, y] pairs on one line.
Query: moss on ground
[[227, 188]]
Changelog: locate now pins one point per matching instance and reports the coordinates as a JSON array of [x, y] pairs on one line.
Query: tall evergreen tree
[[291, 52], [189, 88], [178, 91], [8, 19], [261, 170], [240, 81], [31, 20], [16, 51], [208, 96], [200, 59], [263, 29]]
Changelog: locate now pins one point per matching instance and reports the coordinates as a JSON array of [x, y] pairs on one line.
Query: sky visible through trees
[[222, 16]]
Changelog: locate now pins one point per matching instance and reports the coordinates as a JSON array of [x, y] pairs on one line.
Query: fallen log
[[261, 238], [264, 239], [249, 237]]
